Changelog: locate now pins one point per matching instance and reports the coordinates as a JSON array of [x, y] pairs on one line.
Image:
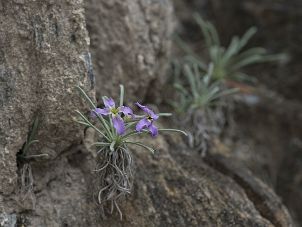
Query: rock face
[[43, 56], [269, 132], [174, 187], [269, 144], [130, 42], [177, 188]]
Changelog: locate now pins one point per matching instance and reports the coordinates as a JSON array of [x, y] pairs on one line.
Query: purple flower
[[147, 121], [110, 109]]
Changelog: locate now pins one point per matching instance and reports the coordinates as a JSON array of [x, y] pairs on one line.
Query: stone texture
[[174, 187], [268, 132], [8, 220], [268, 140], [43, 56], [130, 42]]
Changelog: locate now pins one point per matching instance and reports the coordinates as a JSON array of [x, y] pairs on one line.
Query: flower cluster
[[122, 114], [115, 126]]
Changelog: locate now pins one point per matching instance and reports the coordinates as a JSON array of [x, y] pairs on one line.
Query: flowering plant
[[116, 128]]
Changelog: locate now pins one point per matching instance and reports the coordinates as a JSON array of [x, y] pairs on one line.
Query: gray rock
[[8, 220], [130, 42], [43, 56], [44, 49]]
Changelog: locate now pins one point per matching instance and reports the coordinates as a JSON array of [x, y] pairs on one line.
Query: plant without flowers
[[201, 81], [200, 103], [228, 62], [117, 124]]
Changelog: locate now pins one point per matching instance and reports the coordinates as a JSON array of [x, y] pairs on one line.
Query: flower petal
[[144, 108], [140, 106], [126, 111], [119, 125], [153, 129], [99, 111], [141, 124], [147, 110], [154, 116], [109, 102]]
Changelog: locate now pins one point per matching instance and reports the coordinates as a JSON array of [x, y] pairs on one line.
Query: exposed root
[[204, 125], [115, 177], [26, 189]]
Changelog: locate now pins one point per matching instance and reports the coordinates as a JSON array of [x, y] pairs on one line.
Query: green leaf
[[83, 93], [248, 53], [101, 144], [122, 92], [34, 156], [32, 134], [247, 61], [246, 37], [214, 34], [243, 77], [172, 130], [142, 145], [180, 88], [83, 123], [231, 50], [100, 118], [191, 80], [196, 60], [164, 114], [91, 125], [224, 93], [32, 142], [205, 29]]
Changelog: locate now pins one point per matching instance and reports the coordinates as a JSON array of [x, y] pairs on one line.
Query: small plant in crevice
[[116, 125], [229, 61], [24, 159], [197, 90], [200, 103], [202, 81]]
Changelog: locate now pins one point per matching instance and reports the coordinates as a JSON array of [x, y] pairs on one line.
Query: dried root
[[26, 185], [204, 126], [115, 177]]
